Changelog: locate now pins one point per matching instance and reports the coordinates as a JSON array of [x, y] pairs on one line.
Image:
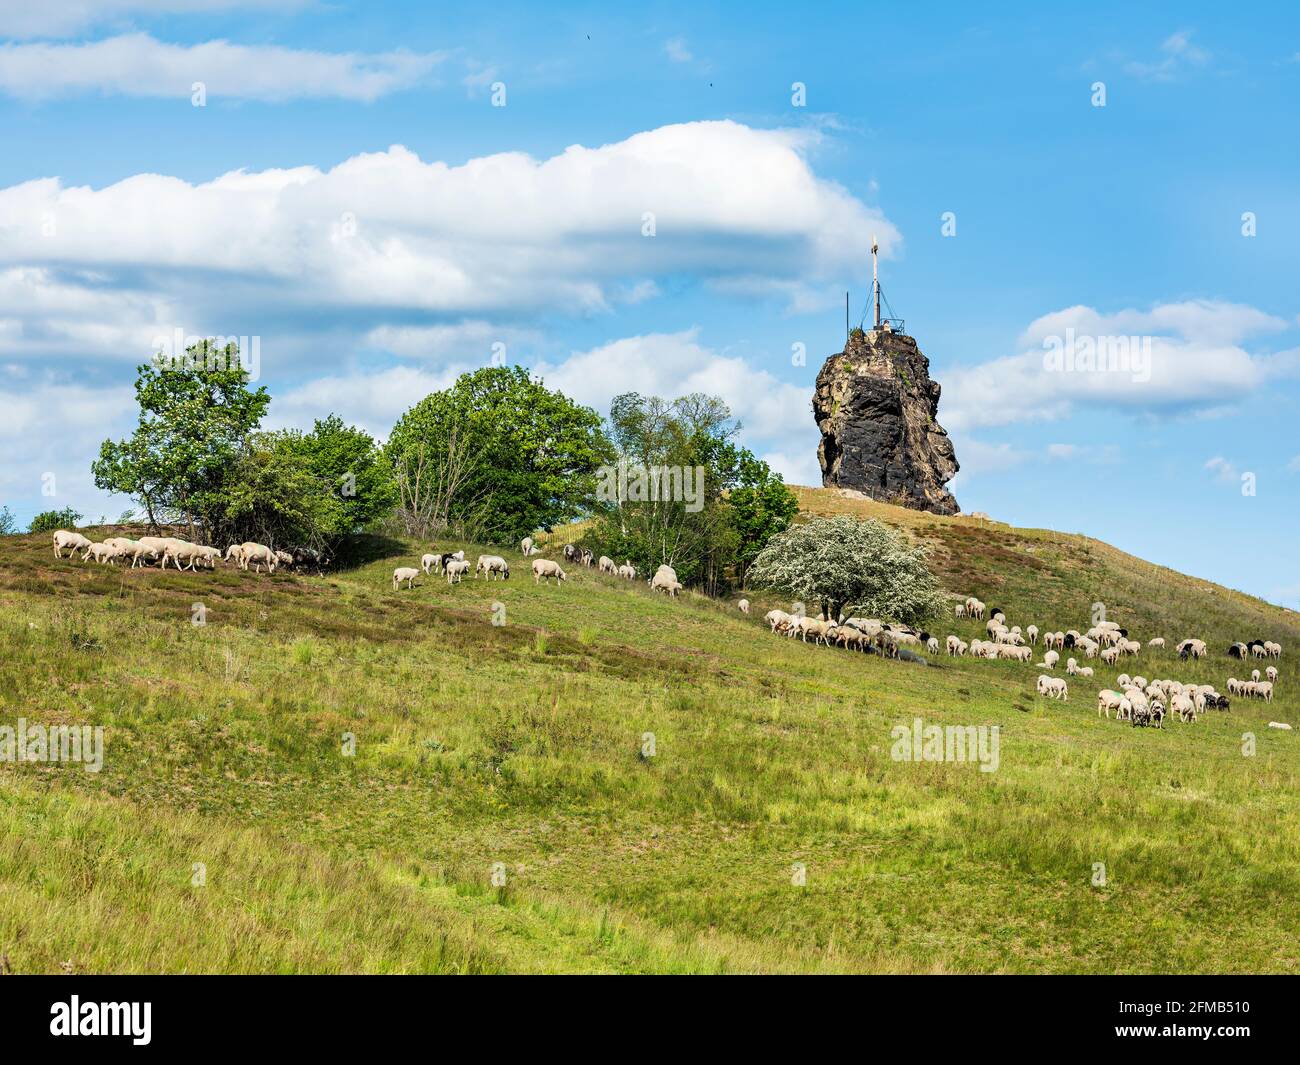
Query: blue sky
[[350, 195]]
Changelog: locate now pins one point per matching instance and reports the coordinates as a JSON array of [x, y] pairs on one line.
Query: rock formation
[[875, 406]]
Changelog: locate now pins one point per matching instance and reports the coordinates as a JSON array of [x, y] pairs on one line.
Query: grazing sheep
[[1159, 642], [932, 645], [959, 610], [1109, 655], [1271, 674], [404, 573], [1032, 632], [1085, 671], [743, 606], [456, 569], [1192, 648], [427, 562], [73, 541], [975, 608], [570, 553], [490, 564], [664, 580], [102, 553], [526, 546], [776, 619], [606, 564], [545, 567], [1050, 659], [1108, 700], [588, 559], [256, 555], [1274, 649]]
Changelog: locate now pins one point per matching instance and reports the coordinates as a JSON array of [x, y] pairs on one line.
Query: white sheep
[[257, 555], [456, 570], [1271, 674], [627, 571], [404, 573], [1158, 642], [743, 606], [607, 565], [526, 546], [73, 541], [490, 564], [428, 562], [932, 645], [665, 580], [545, 567], [1050, 658], [1032, 632]]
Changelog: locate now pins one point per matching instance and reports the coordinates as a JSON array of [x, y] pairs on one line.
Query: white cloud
[[677, 51], [1222, 469], [675, 364], [798, 468], [62, 18], [138, 65], [53, 430], [372, 400], [1294, 465], [385, 235], [1196, 363], [1177, 55], [464, 340]]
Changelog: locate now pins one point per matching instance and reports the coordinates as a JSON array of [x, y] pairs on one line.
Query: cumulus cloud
[[138, 65], [386, 235], [1180, 357], [675, 364]]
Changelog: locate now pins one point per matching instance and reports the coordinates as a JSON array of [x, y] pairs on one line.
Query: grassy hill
[[517, 747]]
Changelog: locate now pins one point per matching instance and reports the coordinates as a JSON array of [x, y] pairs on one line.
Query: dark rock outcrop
[[875, 406]]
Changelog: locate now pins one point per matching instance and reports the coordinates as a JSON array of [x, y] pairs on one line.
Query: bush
[[49, 520]]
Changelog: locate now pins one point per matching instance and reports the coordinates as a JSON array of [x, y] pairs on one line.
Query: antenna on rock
[[875, 279]]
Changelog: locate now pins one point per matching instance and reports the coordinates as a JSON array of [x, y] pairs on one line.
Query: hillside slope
[[516, 749]]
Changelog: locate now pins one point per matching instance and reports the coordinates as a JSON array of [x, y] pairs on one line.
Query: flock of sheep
[[454, 565], [181, 553], [1137, 700]]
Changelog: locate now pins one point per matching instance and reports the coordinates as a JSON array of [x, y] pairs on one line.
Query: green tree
[[193, 423], [497, 454], [761, 506], [841, 563], [50, 520], [7, 521], [353, 478]]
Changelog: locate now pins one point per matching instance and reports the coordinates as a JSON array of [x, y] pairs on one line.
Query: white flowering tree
[[842, 562]]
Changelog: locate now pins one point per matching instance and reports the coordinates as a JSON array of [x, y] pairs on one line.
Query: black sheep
[[1069, 641]]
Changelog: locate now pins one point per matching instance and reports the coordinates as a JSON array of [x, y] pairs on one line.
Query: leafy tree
[[520, 456], [7, 521], [272, 495], [49, 520], [841, 563], [738, 505], [761, 506], [194, 420], [353, 478]]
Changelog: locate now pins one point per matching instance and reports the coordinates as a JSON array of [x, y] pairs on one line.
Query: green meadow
[[330, 776]]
